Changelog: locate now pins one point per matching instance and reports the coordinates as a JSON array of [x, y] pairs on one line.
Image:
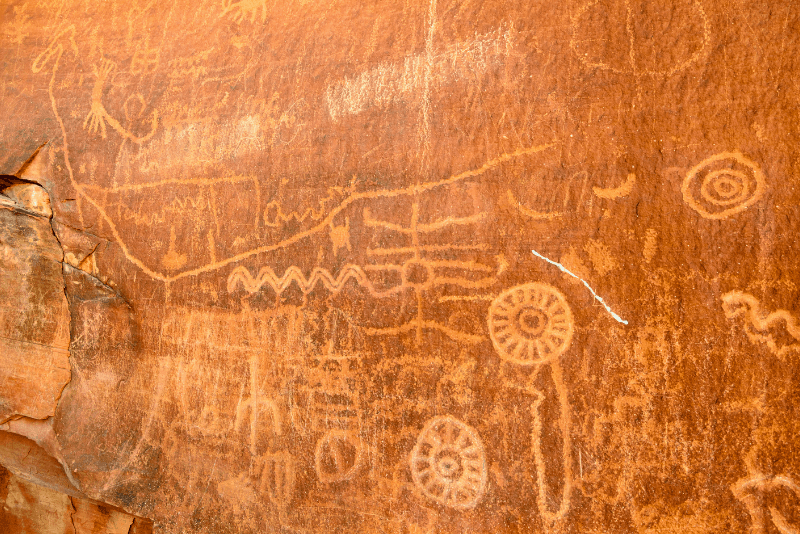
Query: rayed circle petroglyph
[[530, 324], [448, 463], [723, 185]]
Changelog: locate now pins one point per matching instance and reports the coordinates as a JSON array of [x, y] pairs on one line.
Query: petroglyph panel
[[404, 267]]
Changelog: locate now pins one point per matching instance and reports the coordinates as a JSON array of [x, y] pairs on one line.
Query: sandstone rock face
[[404, 267], [34, 319]]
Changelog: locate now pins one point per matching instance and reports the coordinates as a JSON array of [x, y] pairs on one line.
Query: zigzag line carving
[[334, 284]]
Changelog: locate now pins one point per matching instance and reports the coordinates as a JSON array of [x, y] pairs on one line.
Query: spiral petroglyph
[[530, 324], [448, 463], [723, 184]]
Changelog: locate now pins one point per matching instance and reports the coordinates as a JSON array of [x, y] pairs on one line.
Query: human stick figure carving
[[532, 325], [98, 116]]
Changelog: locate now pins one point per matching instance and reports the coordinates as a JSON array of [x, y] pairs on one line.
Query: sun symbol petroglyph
[[530, 324], [448, 463], [723, 185]]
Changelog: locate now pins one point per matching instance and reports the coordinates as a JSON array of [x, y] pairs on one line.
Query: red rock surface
[[408, 267]]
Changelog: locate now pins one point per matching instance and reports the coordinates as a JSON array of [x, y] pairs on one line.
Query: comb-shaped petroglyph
[[392, 83], [448, 463], [530, 324], [723, 185], [277, 477], [757, 322], [330, 385]]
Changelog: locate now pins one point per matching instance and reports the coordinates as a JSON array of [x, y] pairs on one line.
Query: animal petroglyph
[[97, 118], [530, 324], [392, 83], [279, 284], [448, 463], [752, 490], [338, 456], [593, 23], [757, 322], [723, 184]]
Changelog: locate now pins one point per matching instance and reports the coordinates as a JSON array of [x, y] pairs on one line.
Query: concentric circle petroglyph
[[723, 185], [530, 324], [448, 463]]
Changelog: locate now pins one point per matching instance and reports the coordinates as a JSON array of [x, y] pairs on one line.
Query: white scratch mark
[[597, 297]]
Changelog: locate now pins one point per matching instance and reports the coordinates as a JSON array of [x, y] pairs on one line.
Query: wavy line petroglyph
[[617, 192], [751, 491], [392, 83], [532, 325], [53, 54], [334, 284], [723, 185], [589, 49], [448, 463], [758, 322]]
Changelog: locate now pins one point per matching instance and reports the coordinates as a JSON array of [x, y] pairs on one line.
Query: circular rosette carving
[[448, 463], [530, 324], [723, 185]]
